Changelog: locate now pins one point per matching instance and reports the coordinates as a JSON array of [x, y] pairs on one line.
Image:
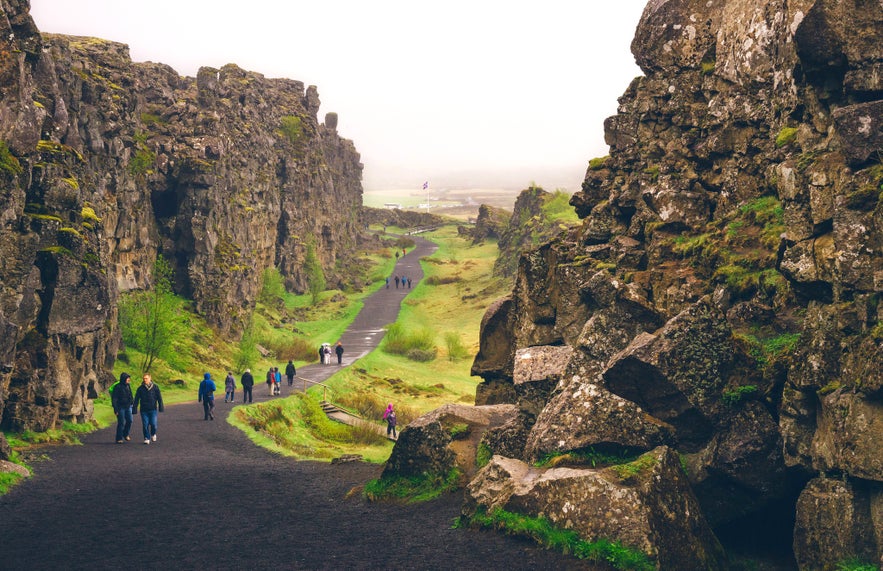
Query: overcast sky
[[425, 90]]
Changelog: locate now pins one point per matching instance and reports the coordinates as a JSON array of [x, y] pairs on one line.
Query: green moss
[[707, 66], [292, 127], [734, 396], [541, 530], [598, 163], [458, 430], [587, 457], [59, 250], [88, 213], [865, 198], [46, 217], [8, 162], [786, 136], [72, 182], [141, 162], [483, 455], [47, 146], [71, 231], [829, 388], [150, 119], [629, 471], [653, 171]]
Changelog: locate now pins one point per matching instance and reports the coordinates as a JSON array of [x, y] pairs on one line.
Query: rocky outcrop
[[646, 505], [721, 296], [108, 163], [491, 222]]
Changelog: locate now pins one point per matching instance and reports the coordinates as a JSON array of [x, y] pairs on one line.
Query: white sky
[[424, 90]]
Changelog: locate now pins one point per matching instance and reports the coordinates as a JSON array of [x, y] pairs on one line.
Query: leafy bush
[[272, 288], [417, 345], [292, 127]]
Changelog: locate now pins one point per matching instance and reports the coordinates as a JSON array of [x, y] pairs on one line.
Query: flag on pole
[[425, 185]]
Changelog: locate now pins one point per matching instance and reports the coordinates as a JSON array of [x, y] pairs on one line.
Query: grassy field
[[451, 300]]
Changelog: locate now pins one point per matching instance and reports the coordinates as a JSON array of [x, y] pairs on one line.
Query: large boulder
[[838, 521], [444, 439], [646, 505]]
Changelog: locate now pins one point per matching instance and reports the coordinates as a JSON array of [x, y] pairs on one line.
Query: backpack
[[110, 390], [391, 417]]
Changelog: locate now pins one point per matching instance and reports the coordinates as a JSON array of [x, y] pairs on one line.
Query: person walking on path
[[290, 372], [390, 417], [387, 282], [271, 380], [149, 398], [327, 351], [322, 354], [230, 388], [339, 351], [247, 382], [277, 381], [121, 399], [206, 396], [397, 282]]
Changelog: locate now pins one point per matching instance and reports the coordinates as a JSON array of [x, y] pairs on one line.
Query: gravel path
[[204, 497]]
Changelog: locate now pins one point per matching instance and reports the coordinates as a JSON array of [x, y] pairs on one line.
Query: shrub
[[272, 288], [421, 355], [292, 127], [399, 341], [456, 349]]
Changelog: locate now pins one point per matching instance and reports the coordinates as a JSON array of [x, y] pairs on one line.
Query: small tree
[[315, 274], [247, 352], [149, 318]]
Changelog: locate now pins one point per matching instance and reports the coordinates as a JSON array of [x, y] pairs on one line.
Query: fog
[[458, 93]]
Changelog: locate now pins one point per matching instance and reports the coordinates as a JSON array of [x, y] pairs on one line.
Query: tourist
[[150, 399], [290, 372], [277, 381], [390, 417], [339, 351], [271, 381], [247, 382], [397, 281], [121, 399], [206, 396], [229, 387], [409, 283], [387, 282]]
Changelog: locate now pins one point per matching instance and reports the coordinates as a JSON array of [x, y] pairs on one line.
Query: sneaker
[[153, 437], [146, 441], [119, 441], [128, 439]]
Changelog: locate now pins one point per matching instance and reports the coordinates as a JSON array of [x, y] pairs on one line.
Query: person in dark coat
[[150, 399], [321, 354], [247, 382], [271, 381], [339, 351], [121, 399], [229, 388], [290, 372], [206, 396]]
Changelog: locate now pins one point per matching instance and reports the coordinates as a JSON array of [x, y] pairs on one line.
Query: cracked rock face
[[111, 162], [722, 296]]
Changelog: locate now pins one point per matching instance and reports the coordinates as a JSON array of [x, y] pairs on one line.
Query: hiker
[[121, 399], [322, 354], [397, 282], [290, 372], [390, 417], [229, 388], [327, 355], [403, 252], [397, 255], [206, 396], [387, 282], [150, 399], [271, 380], [277, 381], [409, 283], [339, 351], [247, 382]]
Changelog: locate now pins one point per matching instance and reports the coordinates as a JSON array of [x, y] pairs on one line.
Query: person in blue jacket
[[207, 390]]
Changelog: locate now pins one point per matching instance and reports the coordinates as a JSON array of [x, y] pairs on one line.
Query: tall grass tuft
[[456, 349], [416, 344]]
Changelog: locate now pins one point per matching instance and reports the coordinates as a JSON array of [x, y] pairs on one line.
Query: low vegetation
[[412, 489], [565, 541]]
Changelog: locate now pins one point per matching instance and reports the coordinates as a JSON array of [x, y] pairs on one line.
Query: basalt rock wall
[[106, 163], [723, 290]]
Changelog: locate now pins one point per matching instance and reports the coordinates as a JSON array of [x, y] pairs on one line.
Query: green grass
[[414, 489], [565, 541]]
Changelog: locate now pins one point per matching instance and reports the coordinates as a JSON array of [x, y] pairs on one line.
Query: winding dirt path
[[204, 497]]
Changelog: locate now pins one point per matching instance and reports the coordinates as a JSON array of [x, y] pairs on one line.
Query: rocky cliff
[[105, 163], [720, 299]]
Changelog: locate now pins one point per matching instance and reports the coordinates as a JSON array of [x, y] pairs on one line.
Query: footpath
[[205, 497]]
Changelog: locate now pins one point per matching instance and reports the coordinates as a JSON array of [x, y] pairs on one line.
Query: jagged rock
[[5, 449], [493, 362], [848, 435], [679, 373], [646, 505], [426, 445], [110, 163], [490, 223], [586, 415], [838, 521], [742, 468]]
